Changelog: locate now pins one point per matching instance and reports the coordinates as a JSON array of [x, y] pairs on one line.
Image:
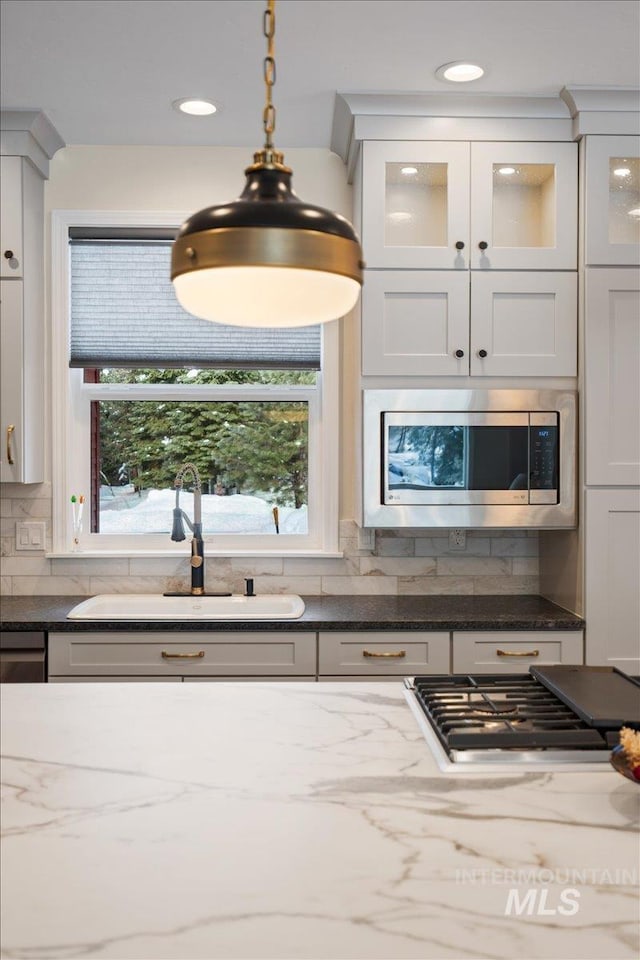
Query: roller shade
[[124, 314]]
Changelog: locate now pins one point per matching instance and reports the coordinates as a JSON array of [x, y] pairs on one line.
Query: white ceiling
[[106, 71]]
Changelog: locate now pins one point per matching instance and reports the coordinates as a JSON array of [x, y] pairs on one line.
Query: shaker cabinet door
[[612, 380], [524, 324], [415, 323], [612, 561], [11, 402], [11, 221]]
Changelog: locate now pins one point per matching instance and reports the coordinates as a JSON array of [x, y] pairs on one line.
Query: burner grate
[[492, 711]]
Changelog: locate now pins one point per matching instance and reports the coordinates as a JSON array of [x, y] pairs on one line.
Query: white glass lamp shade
[[255, 296]]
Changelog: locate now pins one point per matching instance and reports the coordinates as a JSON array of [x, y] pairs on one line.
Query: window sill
[[150, 554]]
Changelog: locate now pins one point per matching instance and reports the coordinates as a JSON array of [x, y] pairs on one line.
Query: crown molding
[[362, 116], [29, 133], [603, 110]]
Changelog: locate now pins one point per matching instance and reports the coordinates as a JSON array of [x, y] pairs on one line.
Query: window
[[141, 387]]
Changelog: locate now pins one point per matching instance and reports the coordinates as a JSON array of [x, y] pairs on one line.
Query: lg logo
[[534, 902]]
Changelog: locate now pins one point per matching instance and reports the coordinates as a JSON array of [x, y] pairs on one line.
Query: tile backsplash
[[415, 561]]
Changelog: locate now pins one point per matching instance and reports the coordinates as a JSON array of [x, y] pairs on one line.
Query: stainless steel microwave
[[469, 458]]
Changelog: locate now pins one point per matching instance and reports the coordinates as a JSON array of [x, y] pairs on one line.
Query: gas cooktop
[[550, 716]]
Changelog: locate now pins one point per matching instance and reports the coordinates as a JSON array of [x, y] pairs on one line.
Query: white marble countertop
[[293, 820]]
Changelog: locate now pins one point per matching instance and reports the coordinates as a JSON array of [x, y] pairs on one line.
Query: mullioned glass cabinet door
[[524, 206], [612, 222], [415, 204]]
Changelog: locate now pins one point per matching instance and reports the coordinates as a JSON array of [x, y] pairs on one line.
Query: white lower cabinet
[[115, 679], [514, 651], [612, 560], [245, 679], [376, 653], [139, 655], [340, 655]]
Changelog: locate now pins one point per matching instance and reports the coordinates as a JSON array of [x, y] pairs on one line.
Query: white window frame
[[71, 400]]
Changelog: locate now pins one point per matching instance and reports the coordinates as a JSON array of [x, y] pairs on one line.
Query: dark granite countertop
[[322, 613]]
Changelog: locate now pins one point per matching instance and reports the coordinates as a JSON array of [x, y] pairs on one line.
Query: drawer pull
[[10, 431], [182, 656], [518, 653], [396, 654]]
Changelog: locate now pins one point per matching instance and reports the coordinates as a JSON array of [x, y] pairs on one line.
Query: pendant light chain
[[269, 113], [267, 258]]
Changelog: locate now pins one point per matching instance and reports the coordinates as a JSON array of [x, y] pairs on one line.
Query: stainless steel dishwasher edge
[[22, 656]]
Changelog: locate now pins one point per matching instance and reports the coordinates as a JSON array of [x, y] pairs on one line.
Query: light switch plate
[[30, 535]]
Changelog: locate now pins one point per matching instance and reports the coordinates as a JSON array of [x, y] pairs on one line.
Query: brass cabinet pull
[[518, 653], [182, 656], [10, 430], [397, 654]]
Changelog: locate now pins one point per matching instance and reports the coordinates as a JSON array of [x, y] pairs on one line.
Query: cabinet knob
[[483, 245], [8, 254], [459, 354], [459, 245], [482, 353]]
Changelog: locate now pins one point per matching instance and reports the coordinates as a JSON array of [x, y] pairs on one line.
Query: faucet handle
[[248, 582]]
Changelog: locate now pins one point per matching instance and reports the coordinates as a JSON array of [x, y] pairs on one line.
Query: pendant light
[[268, 258]]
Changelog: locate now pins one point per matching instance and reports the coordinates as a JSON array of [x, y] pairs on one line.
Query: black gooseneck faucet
[[177, 531]]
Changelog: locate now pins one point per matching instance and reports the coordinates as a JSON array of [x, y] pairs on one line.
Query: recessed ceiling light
[[400, 216], [195, 107], [635, 212], [409, 171], [506, 171], [622, 172], [459, 71]]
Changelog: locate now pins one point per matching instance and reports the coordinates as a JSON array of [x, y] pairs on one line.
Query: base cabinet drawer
[[115, 679], [514, 651], [377, 653], [138, 654]]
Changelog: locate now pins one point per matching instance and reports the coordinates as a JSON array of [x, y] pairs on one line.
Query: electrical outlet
[[457, 539], [31, 535]]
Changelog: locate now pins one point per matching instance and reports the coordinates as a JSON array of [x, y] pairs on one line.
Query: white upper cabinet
[[524, 324], [613, 201], [22, 324], [416, 204], [11, 222], [524, 206], [451, 323], [501, 206], [415, 323], [612, 377]]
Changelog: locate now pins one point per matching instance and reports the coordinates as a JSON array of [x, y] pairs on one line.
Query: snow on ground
[[152, 512]]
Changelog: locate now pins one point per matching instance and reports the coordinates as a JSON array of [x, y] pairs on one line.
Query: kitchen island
[[292, 820]]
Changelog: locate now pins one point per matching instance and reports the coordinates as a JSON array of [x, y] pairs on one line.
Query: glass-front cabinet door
[[524, 206], [613, 201], [415, 211], [451, 206]]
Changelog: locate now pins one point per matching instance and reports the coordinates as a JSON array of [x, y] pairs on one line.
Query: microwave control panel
[[543, 457]]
